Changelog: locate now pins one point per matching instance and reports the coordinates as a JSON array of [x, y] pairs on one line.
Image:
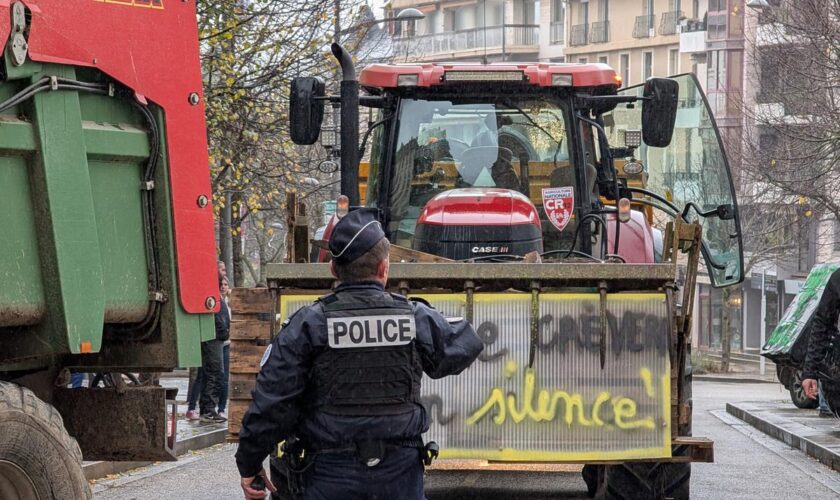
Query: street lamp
[[410, 14], [758, 4]]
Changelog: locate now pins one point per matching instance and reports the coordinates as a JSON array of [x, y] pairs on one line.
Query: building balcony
[[670, 23], [578, 35], [600, 32], [692, 42], [557, 33], [509, 39], [644, 27]]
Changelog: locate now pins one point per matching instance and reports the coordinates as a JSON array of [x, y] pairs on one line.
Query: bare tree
[[794, 124], [250, 52]]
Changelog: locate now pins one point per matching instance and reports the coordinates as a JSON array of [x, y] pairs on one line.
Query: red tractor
[[565, 217]]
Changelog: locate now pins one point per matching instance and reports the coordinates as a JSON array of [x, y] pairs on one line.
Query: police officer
[[343, 377]]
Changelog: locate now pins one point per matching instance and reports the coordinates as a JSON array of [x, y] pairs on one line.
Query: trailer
[[107, 254]]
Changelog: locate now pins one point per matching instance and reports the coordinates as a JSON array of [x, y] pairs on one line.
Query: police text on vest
[[370, 331]]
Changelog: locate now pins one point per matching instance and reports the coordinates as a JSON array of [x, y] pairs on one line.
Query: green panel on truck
[[72, 242]]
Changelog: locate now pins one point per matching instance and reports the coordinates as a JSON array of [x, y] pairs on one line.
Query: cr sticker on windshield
[[558, 203]]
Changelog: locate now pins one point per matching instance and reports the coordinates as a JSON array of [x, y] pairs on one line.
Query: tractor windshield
[[692, 174], [518, 144]]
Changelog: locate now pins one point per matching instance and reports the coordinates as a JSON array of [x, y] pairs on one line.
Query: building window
[[673, 61], [582, 60], [837, 235], [604, 59], [604, 10], [529, 12], [558, 11], [624, 68], [695, 9], [558, 22], [647, 65]]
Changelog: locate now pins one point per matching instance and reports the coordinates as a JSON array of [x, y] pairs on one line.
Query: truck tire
[[797, 394], [648, 481], [38, 458]]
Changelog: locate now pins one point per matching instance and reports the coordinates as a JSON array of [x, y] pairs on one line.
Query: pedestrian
[[195, 386], [211, 364], [197, 377], [353, 401], [223, 390], [823, 333]]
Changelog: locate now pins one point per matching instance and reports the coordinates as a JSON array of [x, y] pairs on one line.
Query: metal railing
[[522, 35], [600, 32], [491, 37], [643, 26], [557, 33], [693, 25], [669, 23], [578, 35]]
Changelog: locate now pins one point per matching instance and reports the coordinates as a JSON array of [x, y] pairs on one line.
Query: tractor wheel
[[797, 394], [648, 481], [593, 475], [38, 459]]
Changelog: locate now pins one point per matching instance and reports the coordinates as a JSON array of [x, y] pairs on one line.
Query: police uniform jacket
[[278, 409]]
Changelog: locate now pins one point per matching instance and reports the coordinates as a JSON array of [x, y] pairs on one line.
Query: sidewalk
[[805, 430], [743, 368]]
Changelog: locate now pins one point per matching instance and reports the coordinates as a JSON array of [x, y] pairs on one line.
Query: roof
[[429, 74]]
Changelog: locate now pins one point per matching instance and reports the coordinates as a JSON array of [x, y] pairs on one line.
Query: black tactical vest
[[370, 365]]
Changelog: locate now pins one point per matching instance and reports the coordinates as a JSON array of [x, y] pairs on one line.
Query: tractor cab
[[493, 162]]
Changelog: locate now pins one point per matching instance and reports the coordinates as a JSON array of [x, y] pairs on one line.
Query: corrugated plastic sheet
[[565, 407]]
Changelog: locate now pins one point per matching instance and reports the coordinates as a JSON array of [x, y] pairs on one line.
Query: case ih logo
[[147, 4], [490, 249]]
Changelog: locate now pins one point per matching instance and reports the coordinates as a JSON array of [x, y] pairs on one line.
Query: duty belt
[[372, 452]]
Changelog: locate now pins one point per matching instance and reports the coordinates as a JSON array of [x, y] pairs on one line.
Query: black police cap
[[356, 233]]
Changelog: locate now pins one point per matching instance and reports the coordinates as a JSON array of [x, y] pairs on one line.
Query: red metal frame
[[155, 52], [583, 75]]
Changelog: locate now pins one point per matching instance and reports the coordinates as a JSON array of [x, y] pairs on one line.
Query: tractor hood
[[479, 207], [478, 222]]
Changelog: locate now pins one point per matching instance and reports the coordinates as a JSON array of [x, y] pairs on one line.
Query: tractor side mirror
[[306, 109], [659, 111]]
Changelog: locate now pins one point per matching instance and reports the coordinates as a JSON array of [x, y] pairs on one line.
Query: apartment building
[[639, 38], [475, 30]]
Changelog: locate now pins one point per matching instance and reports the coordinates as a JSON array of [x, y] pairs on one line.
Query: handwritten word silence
[[543, 405]]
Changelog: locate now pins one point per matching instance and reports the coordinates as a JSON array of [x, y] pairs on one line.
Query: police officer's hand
[[809, 385], [251, 493]]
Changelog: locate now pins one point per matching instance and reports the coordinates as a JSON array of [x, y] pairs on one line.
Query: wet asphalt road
[[748, 466]]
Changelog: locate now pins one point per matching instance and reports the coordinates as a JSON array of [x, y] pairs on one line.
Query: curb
[[97, 470], [734, 380], [819, 446]]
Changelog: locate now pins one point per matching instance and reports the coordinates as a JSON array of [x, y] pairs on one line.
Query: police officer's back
[[343, 377]]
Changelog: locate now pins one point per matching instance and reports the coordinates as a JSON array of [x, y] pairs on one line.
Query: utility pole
[[761, 361], [337, 15], [226, 238]]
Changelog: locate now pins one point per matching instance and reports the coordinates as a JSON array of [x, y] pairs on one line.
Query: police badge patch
[[370, 331], [266, 354]]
